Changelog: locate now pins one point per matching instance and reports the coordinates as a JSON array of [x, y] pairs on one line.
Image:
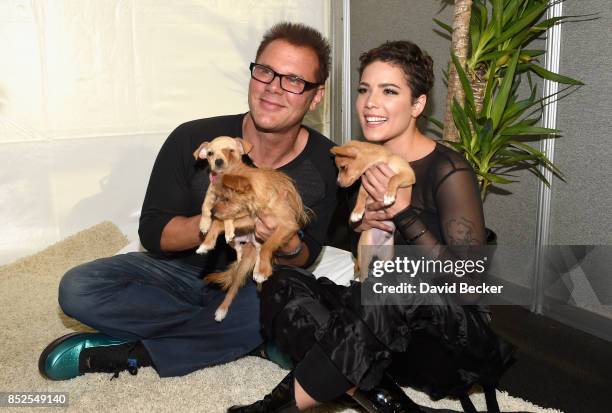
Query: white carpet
[[30, 319]]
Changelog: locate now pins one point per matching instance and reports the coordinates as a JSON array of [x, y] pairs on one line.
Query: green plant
[[494, 124], [493, 139]]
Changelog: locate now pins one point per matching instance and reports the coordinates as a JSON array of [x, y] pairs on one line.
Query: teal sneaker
[[269, 350], [276, 356], [63, 358]]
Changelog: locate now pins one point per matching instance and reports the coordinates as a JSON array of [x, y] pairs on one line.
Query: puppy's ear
[[244, 146], [342, 161], [198, 152], [237, 183], [344, 150]]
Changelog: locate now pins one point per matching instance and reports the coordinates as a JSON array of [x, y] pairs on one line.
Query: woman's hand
[[375, 181], [374, 219]]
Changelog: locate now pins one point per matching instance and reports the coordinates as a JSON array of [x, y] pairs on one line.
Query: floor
[[556, 365]]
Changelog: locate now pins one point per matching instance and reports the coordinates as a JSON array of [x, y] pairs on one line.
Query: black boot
[[280, 400], [386, 397]]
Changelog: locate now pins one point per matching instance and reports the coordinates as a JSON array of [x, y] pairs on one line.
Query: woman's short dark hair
[[300, 35], [415, 63]]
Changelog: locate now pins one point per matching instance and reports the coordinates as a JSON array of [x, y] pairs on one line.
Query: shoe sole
[[42, 360]]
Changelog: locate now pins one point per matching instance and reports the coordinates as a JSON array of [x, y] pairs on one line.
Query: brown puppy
[[353, 159], [262, 191], [221, 153], [234, 277], [229, 211]]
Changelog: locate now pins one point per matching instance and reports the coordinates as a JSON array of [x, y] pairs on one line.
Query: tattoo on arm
[[461, 232]]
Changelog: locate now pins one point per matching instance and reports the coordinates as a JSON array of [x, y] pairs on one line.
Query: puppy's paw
[[388, 199], [229, 236], [205, 223], [220, 314], [203, 249], [356, 216], [259, 277], [263, 270]]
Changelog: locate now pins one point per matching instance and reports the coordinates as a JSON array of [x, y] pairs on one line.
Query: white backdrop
[[89, 90]]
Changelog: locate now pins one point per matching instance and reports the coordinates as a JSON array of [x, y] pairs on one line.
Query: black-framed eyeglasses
[[289, 83]]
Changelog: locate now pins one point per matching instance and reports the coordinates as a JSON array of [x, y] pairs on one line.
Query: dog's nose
[[218, 162]]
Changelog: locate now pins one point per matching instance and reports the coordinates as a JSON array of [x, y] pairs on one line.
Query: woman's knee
[[287, 296], [285, 278]]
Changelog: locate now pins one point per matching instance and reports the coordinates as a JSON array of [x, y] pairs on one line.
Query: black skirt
[[440, 349]]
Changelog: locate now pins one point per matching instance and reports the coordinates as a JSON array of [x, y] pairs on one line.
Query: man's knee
[[73, 291]]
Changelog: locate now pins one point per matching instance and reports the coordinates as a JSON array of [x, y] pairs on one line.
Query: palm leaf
[[498, 14], [516, 109], [532, 14], [485, 138], [435, 121], [532, 52], [444, 26], [475, 29], [465, 83], [496, 55], [510, 11], [545, 161], [523, 130], [524, 37], [487, 100], [496, 178], [501, 99], [555, 77], [481, 6], [461, 122]]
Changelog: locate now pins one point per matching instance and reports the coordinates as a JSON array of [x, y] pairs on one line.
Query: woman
[[341, 346]]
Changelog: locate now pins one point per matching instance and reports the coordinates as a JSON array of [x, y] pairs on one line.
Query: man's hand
[[265, 225]]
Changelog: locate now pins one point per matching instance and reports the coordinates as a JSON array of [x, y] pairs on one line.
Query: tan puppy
[[262, 191], [234, 277], [353, 159], [220, 153], [229, 211]]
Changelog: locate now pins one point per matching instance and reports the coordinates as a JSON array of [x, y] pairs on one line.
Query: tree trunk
[[460, 46]]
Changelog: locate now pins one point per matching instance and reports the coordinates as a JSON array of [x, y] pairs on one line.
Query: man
[[152, 309]]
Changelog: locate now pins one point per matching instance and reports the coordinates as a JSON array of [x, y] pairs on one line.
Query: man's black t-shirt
[[178, 184]]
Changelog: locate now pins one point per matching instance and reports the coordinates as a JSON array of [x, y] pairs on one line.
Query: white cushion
[[333, 263]]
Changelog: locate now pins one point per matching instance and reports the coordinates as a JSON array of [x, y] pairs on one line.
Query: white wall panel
[[27, 217], [89, 90]]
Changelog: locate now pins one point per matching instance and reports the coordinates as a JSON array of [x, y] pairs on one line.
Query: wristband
[[405, 217], [419, 235]]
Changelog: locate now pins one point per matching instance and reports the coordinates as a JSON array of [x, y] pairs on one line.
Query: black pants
[[336, 342], [293, 306]]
